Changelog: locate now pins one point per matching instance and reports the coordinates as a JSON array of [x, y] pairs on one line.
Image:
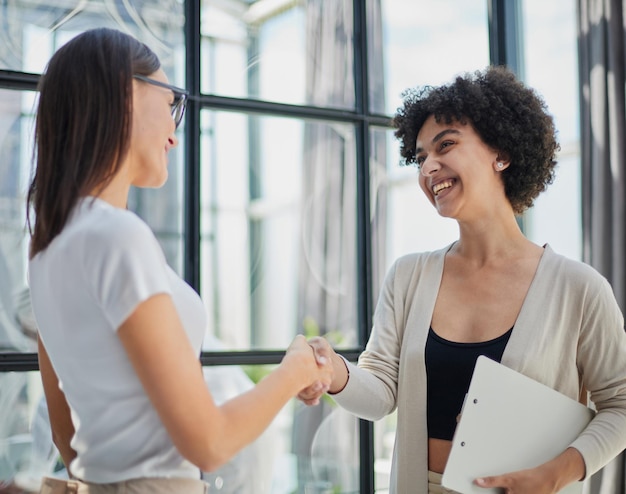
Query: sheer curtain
[[603, 139]]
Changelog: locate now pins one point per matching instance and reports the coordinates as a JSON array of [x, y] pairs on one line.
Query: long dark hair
[[83, 123]]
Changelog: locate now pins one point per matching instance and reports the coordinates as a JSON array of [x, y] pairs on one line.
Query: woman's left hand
[[548, 478], [522, 482]]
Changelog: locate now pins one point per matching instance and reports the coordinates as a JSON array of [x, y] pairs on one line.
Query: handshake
[[323, 370]]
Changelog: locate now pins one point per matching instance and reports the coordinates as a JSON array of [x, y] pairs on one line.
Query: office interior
[[287, 202]]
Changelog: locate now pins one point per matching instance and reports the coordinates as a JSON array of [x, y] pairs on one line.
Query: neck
[[115, 192], [492, 240]]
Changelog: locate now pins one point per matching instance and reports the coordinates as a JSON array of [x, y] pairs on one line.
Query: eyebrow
[[438, 137]]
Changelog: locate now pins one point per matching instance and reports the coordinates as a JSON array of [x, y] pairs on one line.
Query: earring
[[500, 165]]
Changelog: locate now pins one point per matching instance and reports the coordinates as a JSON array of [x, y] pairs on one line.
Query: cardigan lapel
[[524, 335]]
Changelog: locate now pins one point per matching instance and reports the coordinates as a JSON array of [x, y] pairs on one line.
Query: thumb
[[496, 481], [322, 355]]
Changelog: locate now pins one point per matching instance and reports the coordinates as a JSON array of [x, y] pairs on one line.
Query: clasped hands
[[333, 368]]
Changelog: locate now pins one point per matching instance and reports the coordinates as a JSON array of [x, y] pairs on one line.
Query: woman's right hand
[[316, 371], [325, 353]]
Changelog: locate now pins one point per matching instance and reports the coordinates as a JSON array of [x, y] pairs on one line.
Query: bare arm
[[205, 434], [58, 409]]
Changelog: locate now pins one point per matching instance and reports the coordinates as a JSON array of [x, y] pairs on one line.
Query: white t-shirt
[[84, 285]]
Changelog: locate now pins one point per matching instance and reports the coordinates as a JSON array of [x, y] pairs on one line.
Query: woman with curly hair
[[485, 147]]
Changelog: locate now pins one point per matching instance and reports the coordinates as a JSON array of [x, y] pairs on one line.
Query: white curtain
[[603, 140]]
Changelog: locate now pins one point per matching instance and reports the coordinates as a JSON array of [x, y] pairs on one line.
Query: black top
[[449, 369]]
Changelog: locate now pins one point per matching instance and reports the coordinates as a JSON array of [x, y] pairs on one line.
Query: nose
[[429, 167]]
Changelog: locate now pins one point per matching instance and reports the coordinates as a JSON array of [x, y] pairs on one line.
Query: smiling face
[[459, 173], [152, 134]]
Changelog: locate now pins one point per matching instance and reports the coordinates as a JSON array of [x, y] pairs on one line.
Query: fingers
[[298, 343], [485, 482], [500, 481], [312, 394], [509, 484]]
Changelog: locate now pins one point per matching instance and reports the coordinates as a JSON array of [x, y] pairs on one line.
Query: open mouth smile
[[446, 184]]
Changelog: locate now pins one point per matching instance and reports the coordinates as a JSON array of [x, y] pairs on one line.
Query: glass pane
[[278, 229], [17, 328], [26, 449], [550, 34], [281, 51], [305, 449], [425, 42], [34, 29]]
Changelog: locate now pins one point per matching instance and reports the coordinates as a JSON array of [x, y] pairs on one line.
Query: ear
[[502, 163]]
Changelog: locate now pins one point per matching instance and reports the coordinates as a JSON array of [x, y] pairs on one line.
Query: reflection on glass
[[34, 29], [281, 51], [278, 225], [424, 45]]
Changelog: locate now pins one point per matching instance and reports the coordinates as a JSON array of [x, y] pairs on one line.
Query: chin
[[152, 182], [160, 183], [446, 213]]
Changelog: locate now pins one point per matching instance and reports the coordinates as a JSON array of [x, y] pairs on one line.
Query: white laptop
[[510, 422]]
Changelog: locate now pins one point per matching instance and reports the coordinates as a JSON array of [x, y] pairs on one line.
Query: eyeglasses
[[180, 97]]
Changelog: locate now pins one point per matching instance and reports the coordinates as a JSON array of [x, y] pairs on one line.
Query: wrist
[[566, 468], [293, 374], [341, 375]]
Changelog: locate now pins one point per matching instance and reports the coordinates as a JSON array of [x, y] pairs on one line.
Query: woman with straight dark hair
[[120, 332]]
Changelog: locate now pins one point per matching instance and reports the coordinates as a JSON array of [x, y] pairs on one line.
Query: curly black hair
[[508, 116]]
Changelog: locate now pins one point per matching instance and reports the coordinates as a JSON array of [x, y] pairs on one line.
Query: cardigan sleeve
[[602, 363], [371, 391]]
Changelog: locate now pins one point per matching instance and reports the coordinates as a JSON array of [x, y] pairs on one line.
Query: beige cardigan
[[569, 327]]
